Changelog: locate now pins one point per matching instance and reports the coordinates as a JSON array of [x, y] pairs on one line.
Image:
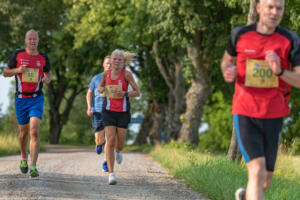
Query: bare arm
[[9, 72], [89, 96], [228, 67], [135, 89], [292, 77], [101, 86], [47, 77]]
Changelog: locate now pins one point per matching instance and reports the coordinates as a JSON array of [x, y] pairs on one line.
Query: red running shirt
[[29, 84], [246, 44], [113, 102]]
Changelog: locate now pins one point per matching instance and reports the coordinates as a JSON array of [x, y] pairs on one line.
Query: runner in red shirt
[[116, 106], [267, 61], [31, 69]]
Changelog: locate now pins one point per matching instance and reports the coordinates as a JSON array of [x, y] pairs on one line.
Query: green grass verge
[[218, 178], [9, 145], [146, 148]]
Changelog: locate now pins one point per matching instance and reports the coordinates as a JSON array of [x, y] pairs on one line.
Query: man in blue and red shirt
[[31, 69], [264, 61]]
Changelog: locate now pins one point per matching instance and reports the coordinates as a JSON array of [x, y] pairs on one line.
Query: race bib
[[31, 75], [111, 91], [260, 75]]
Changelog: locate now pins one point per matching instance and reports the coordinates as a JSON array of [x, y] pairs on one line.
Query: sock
[[33, 164], [24, 156]]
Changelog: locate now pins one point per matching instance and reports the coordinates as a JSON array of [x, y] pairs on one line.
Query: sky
[[5, 85]]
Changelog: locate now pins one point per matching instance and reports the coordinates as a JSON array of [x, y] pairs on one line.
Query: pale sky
[[5, 85]]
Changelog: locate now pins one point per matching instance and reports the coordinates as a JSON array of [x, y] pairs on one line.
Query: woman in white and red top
[[116, 106]]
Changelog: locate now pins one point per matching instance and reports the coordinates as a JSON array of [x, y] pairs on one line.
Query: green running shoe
[[33, 172], [24, 166]]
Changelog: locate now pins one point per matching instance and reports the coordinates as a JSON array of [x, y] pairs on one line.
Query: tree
[[234, 152], [194, 26]]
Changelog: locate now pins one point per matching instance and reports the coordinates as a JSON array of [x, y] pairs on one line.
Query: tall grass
[[9, 145], [218, 178]]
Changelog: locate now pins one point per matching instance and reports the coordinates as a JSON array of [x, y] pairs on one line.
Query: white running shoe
[[119, 157], [240, 194], [112, 179]]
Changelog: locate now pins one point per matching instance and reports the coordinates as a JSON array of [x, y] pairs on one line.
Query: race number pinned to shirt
[[260, 75], [31, 75], [111, 91]]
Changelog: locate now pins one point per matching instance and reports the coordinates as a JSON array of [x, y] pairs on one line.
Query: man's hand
[[274, 61], [100, 89], [89, 111], [46, 78], [21, 69], [230, 73]]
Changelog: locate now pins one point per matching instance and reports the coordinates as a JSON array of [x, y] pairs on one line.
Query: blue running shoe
[[99, 149], [104, 166]]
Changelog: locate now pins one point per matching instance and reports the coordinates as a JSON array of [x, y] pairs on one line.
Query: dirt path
[[75, 173]]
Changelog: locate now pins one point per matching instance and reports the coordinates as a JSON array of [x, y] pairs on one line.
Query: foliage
[[79, 129], [218, 115]]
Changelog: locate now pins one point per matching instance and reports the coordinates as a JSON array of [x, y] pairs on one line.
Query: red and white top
[[29, 83], [113, 102], [250, 46]]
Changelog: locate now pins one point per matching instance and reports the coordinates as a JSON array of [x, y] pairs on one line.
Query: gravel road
[[75, 173]]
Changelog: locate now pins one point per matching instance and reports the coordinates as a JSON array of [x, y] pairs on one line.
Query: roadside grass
[[9, 145], [145, 148], [218, 178]]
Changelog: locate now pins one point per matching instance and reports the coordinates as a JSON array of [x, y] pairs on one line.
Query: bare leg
[[256, 178], [268, 181], [121, 135], [23, 136], [99, 137], [34, 138], [110, 132]]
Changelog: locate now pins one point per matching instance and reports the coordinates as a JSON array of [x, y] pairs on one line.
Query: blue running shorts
[[29, 107], [97, 122]]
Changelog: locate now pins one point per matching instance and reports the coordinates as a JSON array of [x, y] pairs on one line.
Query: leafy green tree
[[200, 27]]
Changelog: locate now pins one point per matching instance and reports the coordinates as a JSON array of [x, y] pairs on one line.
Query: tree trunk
[[234, 151], [197, 94], [179, 104], [158, 123], [252, 14], [55, 126], [171, 133], [172, 72], [58, 116], [141, 138]]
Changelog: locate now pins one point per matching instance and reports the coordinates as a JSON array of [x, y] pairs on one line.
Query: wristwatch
[[281, 72], [126, 94]]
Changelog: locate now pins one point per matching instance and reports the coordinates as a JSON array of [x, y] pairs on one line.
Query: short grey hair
[[32, 30]]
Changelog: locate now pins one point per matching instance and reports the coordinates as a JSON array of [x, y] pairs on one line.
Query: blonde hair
[[127, 56]]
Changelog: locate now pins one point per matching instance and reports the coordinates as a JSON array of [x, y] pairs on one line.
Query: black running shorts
[[258, 138], [118, 119]]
